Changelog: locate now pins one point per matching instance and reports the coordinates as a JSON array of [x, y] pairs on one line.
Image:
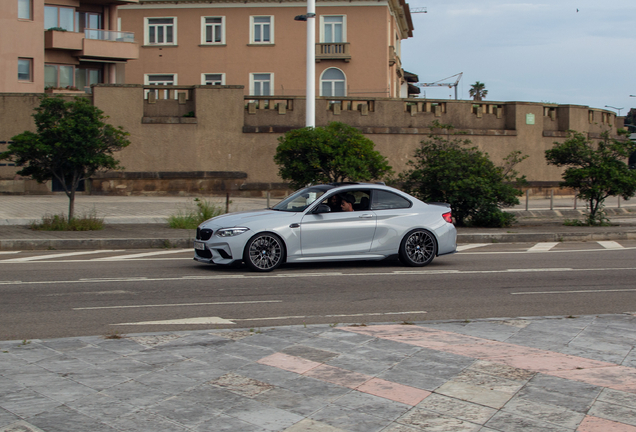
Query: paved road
[[100, 292]]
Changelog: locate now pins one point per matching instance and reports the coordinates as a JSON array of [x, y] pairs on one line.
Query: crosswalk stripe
[[543, 247], [471, 246], [59, 255], [610, 245], [141, 255]]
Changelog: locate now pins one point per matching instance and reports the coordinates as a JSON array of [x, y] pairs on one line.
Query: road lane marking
[[59, 255], [219, 320], [471, 246], [310, 275], [178, 304], [142, 255], [463, 251], [329, 316], [9, 252], [575, 291], [546, 251], [184, 321], [610, 245], [543, 247]]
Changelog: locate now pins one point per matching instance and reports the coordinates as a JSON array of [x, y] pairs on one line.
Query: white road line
[[142, 255], [575, 291], [177, 304], [550, 251], [9, 252], [311, 275], [471, 246], [184, 321], [329, 316], [542, 247], [610, 245], [59, 255], [219, 320]]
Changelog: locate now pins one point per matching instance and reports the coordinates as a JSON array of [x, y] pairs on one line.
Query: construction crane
[[418, 10], [444, 84]]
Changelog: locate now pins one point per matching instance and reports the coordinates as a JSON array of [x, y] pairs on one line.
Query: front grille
[[204, 234]]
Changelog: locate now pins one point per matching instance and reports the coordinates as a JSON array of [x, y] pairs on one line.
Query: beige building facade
[[259, 45], [62, 44]]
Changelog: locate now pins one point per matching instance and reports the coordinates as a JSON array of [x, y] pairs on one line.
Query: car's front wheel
[[418, 248], [264, 252]]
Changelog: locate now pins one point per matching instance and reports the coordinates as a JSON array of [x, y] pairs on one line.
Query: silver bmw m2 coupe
[[330, 222]]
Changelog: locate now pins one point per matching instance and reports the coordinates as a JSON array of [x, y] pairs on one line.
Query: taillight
[[447, 217]]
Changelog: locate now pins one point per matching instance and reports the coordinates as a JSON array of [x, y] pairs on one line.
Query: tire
[[418, 248], [264, 252]]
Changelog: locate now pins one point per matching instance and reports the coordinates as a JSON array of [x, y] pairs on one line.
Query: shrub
[[192, 218]]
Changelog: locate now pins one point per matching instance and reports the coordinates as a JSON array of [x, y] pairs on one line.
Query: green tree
[[596, 170], [448, 169], [71, 143], [478, 91], [335, 153]]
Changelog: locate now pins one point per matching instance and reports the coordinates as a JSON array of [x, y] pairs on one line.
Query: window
[[383, 200], [24, 9], [332, 28], [88, 20], [84, 77], [58, 76], [213, 30], [333, 83], [59, 17], [25, 69], [261, 84], [262, 29], [161, 79], [161, 31], [213, 79]]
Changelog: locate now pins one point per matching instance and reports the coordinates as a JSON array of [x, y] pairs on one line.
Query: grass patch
[[89, 222], [192, 218]]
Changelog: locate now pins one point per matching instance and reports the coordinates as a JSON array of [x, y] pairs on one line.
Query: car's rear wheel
[[264, 252], [418, 248]]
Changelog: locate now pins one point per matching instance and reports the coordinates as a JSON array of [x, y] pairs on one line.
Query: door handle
[[366, 216]]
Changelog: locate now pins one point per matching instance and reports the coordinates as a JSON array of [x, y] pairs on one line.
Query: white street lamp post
[[310, 101]]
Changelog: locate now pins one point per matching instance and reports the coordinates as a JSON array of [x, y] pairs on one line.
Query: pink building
[[61, 44], [259, 45]]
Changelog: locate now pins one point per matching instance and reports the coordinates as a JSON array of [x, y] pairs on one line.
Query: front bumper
[[214, 252]]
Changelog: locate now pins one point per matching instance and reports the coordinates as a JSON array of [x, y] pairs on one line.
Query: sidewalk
[[507, 375], [140, 222]]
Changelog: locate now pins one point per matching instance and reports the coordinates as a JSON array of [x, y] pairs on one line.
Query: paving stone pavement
[[485, 375]]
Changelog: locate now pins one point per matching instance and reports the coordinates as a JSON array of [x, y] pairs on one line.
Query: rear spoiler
[[441, 204]]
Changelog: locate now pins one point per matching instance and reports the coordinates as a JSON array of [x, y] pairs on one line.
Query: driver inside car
[[347, 203]]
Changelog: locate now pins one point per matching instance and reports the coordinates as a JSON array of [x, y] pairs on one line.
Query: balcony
[[96, 44], [333, 51], [107, 44], [394, 58], [65, 40]]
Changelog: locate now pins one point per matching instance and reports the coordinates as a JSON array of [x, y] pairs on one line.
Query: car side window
[[360, 197], [383, 200]]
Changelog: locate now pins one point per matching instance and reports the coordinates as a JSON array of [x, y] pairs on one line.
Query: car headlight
[[231, 232]]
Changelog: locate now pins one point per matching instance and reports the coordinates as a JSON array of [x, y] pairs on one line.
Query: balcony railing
[[109, 35], [333, 51]]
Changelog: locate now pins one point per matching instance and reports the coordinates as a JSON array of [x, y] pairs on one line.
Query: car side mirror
[[322, 208]]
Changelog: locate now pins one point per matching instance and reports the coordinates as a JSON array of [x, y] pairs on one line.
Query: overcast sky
[[537, 51]]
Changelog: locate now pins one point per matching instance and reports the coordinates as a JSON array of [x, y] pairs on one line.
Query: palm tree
[[478, 91]]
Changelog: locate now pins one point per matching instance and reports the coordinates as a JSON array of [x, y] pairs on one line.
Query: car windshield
[[300, 200]]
